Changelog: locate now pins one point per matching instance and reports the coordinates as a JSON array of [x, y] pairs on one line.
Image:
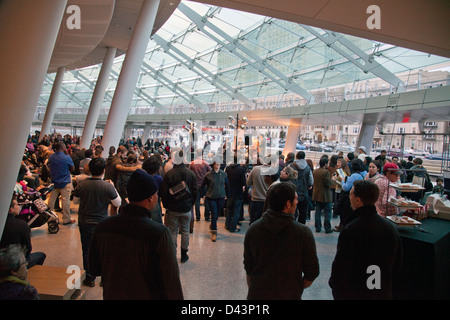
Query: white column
[[97, 98], [27, 36], [367, 132], [129, 74], [127, 131], [52, 103], [146, 134], [292, 135]]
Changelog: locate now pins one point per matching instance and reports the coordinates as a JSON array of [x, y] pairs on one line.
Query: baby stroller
[[35, 211]]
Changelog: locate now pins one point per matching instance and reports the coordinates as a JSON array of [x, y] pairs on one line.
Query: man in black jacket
[[178, 194], [368, 252], [236, 180], [280, 256], [133, 254], [77, 155]]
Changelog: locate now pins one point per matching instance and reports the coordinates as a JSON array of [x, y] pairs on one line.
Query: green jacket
[[216, 183]]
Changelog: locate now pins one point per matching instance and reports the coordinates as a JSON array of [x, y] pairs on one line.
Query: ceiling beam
[[370, 65], [234, 46], [156, 74], [201, 71]]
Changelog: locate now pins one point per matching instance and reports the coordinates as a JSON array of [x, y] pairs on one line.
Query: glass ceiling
[[207, 58]]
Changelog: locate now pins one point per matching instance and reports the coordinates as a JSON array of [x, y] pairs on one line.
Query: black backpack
[[44, 173], [301, 183]]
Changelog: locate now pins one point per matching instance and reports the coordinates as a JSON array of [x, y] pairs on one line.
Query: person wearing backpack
[[178, 201], [303, 182]]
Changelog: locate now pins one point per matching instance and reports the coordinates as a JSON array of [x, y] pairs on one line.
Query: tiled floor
[[214, 271]]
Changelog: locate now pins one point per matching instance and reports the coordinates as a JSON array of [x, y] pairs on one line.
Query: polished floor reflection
[[215, 270]]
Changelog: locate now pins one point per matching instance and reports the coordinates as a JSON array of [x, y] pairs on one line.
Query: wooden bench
[[51, 283]]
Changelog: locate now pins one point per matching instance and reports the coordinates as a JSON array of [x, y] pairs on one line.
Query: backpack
[[301, 183], [44, 173], [179, 192]]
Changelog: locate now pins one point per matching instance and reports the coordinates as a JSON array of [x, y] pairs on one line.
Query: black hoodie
[[278, 254]]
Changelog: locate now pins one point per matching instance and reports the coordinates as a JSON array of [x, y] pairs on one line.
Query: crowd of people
[[134, 203]]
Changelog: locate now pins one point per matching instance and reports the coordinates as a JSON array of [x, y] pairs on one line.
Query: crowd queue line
[[121, 198]]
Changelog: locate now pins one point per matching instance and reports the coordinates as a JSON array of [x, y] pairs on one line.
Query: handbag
[[180, 192]]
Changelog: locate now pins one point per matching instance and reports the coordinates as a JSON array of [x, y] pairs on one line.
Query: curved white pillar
[[27, 36], [97, 98], [292, 135], [52, 103], [367, 132], [129, 74]]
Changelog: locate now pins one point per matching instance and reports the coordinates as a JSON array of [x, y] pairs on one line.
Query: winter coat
[[278, 254]]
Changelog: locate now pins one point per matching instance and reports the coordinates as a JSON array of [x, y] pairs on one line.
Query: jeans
[[207, 211], [302, 210], [234, 206], [200, 194], [215, 205], [86, 233], [65, 197], [326, 208], [179, 221], [256, 210], [36, 258], [156, 213]]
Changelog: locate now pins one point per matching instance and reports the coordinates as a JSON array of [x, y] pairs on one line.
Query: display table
[[51, 283], [425, 271]]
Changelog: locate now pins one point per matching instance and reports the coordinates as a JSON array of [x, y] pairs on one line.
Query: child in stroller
[[35, 211]]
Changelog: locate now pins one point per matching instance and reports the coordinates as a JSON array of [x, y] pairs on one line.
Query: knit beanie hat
[[140, 186]]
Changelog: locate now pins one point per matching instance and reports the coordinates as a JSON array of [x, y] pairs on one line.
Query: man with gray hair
[[14, 283]]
